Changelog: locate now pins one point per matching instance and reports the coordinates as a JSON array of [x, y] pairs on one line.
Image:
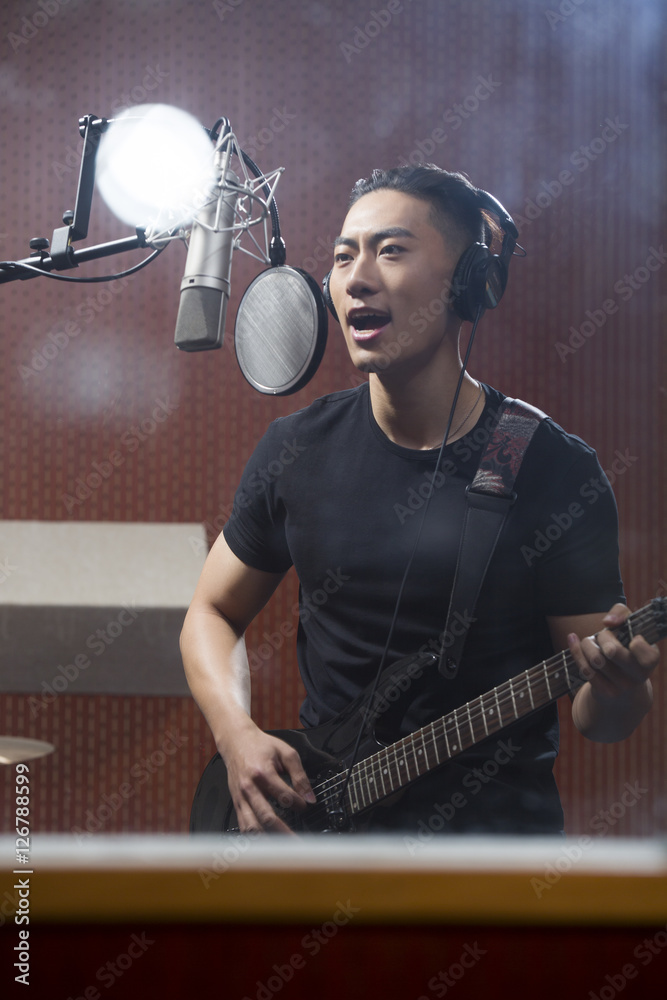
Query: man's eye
[[340, 258], [391, 248]]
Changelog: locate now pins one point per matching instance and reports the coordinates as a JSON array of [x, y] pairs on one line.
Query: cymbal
[[16, 749]]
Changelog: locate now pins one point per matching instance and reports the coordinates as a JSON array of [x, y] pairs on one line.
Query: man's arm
[[617, 693], [228, 596]]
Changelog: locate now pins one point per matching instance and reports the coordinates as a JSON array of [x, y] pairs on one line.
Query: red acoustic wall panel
[[555, 109]]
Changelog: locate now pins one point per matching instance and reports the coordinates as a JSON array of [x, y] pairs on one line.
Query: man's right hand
[[260, 768]]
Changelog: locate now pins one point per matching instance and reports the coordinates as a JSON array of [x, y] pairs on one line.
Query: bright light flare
[[155, 166]]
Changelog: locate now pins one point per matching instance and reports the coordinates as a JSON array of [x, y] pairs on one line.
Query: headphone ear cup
[[327, 295], [464, 300], [479, 280]]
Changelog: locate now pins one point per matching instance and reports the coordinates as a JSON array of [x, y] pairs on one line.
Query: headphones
[[480, 277]]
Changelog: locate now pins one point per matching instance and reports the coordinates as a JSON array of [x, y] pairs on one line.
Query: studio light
[[155, 166]]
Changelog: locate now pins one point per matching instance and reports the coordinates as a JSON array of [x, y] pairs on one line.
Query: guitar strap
[[488, 500]]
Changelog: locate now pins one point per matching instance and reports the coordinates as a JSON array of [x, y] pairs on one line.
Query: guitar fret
[[366, 795], [522, 694], [424, 750], [435, 742], [385, 770], [546, 677], [516, 714], [381, 775], [403, 764], [416, 756], [500, 711], [352, 789], [359, 790], [371, 784], [566, 666], [530, 689], [472, 731], [486, 728], [444, 733], [394, 774], [453, 719]]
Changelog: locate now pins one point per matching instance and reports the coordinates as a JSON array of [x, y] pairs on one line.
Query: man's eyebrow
[[383, 234]]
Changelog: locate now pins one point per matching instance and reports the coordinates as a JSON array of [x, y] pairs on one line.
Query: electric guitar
[[384, 770]]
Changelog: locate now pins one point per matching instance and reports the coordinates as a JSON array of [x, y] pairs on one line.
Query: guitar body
[[325, 750]]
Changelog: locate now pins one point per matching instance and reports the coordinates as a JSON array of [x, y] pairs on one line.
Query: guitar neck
[[396, 766]]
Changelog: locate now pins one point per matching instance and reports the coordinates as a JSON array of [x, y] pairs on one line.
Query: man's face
[[390, 282]]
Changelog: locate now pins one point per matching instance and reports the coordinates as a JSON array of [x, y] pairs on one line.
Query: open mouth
[[366, 325]]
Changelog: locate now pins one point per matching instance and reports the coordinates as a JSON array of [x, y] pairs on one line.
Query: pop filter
[[281, 330]]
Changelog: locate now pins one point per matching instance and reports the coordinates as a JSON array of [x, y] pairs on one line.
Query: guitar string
[[503, 695], [370, 764], [646, 616]]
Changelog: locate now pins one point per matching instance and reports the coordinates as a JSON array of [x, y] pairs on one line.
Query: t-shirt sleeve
[[577, 553], [255, 532]]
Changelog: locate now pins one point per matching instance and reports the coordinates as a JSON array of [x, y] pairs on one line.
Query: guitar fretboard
[[396, 766]]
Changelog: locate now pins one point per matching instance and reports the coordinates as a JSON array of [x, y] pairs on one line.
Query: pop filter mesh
[[280, 331]]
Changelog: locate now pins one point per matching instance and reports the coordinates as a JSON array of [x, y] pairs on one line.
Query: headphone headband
[[492, 204]]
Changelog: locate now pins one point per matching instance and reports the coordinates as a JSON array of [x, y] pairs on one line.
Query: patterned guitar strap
[[488, 500]]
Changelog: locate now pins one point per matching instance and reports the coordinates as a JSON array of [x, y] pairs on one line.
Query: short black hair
[[454, 201]]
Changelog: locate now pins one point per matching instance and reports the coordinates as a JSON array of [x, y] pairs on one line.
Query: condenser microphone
[[205, 287]]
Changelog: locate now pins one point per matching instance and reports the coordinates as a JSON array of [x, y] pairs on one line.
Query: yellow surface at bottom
[[380, 896]]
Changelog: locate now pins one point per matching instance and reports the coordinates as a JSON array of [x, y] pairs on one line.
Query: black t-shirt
[[327, 491]]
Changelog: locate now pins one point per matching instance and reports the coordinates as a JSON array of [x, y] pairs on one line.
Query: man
[[340, 513]]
